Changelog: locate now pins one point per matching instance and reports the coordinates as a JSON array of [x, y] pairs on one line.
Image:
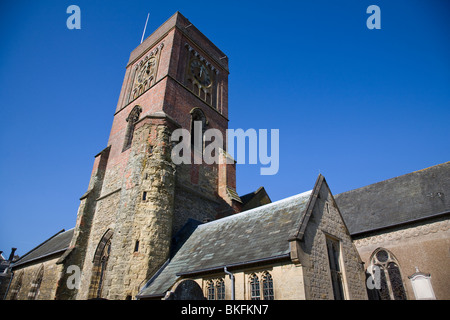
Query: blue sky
[[357, 105]]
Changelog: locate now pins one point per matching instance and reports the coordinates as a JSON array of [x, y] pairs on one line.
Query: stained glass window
[[382, 256], [391, 283], [384, 290], [398, 289]]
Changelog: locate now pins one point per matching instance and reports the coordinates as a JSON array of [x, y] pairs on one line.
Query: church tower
[[138, 198]]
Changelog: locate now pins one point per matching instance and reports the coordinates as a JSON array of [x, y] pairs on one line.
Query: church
[[150, 229]]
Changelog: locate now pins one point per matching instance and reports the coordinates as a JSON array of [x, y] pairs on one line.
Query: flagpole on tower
[[143, 33]]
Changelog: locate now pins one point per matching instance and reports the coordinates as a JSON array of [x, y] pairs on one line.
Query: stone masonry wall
[[287, 281], [49, 282], [423, 244], [142, 210]]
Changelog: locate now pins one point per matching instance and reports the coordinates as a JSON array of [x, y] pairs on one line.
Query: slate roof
[[417, 195], [255, 199], [55, 244], [254, 235]]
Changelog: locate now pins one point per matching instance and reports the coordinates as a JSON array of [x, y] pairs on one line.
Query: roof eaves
[[40, 245], [38, 258], [364, 232], [235, 265]]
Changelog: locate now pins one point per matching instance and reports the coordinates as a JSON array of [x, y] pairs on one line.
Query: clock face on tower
[[147, 70], [200, 73]]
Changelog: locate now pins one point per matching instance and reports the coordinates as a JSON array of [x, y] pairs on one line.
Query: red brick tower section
[[137, 197], [174, 87]]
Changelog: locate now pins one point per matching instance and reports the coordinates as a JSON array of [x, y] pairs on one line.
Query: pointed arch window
[[267, 283], [103, 263], [255, 293], [17, 286], [260, 286], [220, 286], [36, 284], [215, 289], [132, 118], [211, 291], [384, 265], [100, 262]]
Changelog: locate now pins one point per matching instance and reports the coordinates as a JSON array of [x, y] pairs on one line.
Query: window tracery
[[17, 286], [36, 284], [100, 263], [261, 286], [215, 289], [390, 279]]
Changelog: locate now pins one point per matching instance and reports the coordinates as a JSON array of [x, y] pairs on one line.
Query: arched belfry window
[[132, 118], [100, 264], [385, 272], [36, 284], [199, 124]]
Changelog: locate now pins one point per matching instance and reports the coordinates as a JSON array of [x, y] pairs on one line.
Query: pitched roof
[[55, 244], [254, 235], [255, 199], [417, 195]]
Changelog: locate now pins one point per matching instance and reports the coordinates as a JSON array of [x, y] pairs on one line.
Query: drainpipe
[[9, 284], [10, 259], [232, 282]]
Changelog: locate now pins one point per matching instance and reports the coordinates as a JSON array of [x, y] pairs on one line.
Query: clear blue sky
[[357, 105]]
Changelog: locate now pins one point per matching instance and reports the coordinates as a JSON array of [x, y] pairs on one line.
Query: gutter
[[234, 265], [220, 268], [399, 224], [14, 265], [9, 285]]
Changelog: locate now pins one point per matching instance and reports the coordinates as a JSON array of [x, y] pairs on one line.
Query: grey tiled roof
[[409, 197], [57, 243], [253, 235]]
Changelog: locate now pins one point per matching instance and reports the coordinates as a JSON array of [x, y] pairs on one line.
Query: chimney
[[11, 256], [227, 175]]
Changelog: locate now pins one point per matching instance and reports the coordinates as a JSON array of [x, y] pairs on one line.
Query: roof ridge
[[263, 207]]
